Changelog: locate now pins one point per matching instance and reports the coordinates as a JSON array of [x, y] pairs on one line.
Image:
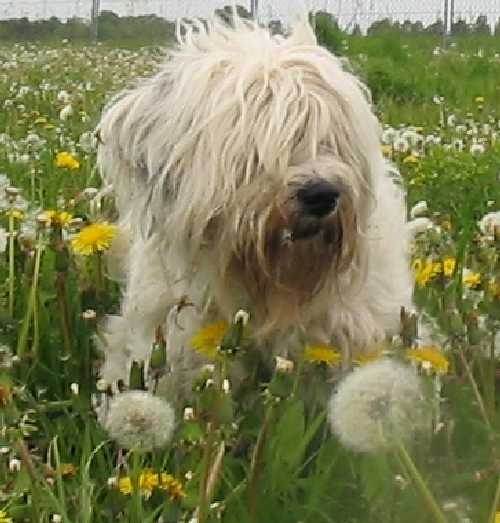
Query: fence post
[[254, 9], [94, 20], [446, 23]]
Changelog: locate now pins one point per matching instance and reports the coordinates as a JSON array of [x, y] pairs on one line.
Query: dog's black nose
[[318, 198]]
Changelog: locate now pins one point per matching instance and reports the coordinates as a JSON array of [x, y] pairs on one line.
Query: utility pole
[[446, 20], [254, 9], [452, 14], [94, 20]]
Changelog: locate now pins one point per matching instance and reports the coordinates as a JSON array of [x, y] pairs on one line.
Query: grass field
[[265, 454]]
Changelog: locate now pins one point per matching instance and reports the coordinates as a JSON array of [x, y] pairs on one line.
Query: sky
[[349, 12]]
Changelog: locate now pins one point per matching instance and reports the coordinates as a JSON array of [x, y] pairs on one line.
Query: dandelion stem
[[62, 299], [215, 470], [135, 478], [28, 463], [420, 484], [34, 298], [32, 308], [202, 511], [475, 388], [212, 464], [491, 395], [494, 505], [11, 265], [255, 466], [33, 185], [99, 276]]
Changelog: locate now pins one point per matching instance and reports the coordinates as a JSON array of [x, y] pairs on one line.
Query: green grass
[[280, 462]]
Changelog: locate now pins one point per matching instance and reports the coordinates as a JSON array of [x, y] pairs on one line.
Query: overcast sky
[[348, 11]]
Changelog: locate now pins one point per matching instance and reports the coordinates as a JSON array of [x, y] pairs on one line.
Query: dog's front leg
[[129, 336]]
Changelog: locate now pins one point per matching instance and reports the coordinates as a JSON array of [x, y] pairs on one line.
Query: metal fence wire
[[348, 12]]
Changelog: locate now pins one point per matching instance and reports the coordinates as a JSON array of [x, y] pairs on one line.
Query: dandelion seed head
[[3, 239], [14, 465], [377, 405], [66, 112], [89, 314], [418, 226], [138, 420], [188, 413], [242, 316], [75, 388], [283, 365], [419, 209]]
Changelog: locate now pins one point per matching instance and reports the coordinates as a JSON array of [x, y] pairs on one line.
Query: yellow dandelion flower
[[321, 353], [67, 470], [386, 150], [430, 358], [17, 214], [417, 264], [4, 518], [479, 99], [125, 486], [446, 225], [410, 159], [207, 341], [57, 218], [63, 218], [425, 271], [41, 120], [494, 287], [437, 268], [150, 481], [94, 238], [49, 126], [170, 485], [371, 356], [471, 279], [449, 264], [497, 517], [66, 161]]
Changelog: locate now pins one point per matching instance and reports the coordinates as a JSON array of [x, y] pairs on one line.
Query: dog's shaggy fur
[[220, 165]]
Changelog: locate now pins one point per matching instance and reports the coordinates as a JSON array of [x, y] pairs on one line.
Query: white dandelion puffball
[[377, 405], [138, 420], [4, 235], [489, 222], [418, 209], [418, 226], [66, 112]]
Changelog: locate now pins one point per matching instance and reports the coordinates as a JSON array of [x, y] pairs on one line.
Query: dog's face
[[289, 234], [265, 159]]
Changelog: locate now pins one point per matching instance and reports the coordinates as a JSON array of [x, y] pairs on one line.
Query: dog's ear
[[302, 34]]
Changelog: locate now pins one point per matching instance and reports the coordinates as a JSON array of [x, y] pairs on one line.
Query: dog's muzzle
[[317, 200]]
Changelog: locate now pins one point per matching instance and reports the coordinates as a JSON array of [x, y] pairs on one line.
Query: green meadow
[[267, 453]]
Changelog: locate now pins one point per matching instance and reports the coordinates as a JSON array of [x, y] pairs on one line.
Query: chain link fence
[[348, 12]]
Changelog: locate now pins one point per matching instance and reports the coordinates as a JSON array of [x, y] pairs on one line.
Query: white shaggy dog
[[249, 175]]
